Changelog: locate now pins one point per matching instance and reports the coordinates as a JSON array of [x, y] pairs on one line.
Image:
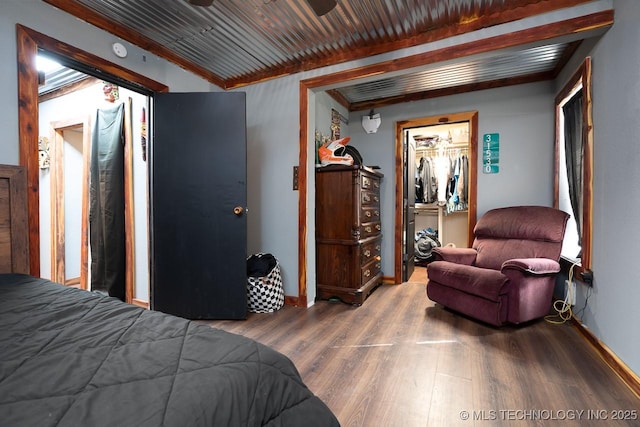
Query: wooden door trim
[[56, 185], [129, 223]]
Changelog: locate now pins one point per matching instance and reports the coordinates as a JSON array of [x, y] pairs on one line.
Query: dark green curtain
[[106, 211], [574, 155]]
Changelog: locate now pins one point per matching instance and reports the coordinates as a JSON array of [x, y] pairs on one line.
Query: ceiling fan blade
[[204, 3], [320, 7]]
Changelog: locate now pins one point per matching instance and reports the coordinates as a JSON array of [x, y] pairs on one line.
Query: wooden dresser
[[348, 232], [14, 220]]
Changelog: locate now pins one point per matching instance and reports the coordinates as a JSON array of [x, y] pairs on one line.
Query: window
[[574, 166]]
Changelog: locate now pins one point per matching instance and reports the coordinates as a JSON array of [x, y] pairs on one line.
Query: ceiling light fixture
[[371, 123]]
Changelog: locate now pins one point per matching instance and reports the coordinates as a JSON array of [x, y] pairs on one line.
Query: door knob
[[238, 210]]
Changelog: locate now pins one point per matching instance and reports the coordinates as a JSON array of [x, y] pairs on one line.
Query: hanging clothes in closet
[[426, 184], [458, 192], [442, 176]]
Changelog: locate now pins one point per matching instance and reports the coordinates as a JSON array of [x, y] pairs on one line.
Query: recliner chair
[[508, 275]]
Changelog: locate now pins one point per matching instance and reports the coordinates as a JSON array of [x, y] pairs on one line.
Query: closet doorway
[[436, 177]]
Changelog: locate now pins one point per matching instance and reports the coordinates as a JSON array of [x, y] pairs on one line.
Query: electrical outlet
[[570, 297]]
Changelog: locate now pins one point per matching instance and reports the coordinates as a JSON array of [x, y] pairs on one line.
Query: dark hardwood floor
[[401, 360]]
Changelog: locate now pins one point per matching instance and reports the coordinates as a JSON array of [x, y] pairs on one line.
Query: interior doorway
[[67, 159], [29, 44], [441, 203], [64, 186]]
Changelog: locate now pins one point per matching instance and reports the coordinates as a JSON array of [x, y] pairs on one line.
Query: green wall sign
[[491, 153]]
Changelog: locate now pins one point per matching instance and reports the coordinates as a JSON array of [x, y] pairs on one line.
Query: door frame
[[401, 126], [28, 42], [58, 241]]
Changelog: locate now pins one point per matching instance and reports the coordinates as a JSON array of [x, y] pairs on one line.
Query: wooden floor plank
[[401, 360]]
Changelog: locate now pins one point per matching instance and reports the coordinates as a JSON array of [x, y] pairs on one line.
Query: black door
[[197, 197], [409, 196]]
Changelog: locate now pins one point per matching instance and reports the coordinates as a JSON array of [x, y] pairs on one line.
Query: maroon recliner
[[508, 275]]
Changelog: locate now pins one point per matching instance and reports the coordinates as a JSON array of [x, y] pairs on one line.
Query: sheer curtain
[[574, 150]]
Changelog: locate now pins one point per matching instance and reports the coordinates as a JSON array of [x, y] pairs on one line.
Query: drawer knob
[[376, 198], [367, 214], [378, 227], [378, 247], [367, 229], [367, 253], [366, 198], [367, 273]]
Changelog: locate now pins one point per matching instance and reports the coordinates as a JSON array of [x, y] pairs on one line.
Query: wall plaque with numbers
[[491, 153]]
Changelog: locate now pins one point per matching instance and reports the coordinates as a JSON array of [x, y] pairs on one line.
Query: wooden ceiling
[[233, 43]]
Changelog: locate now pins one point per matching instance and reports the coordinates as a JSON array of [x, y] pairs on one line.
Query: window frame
[[581, 76]]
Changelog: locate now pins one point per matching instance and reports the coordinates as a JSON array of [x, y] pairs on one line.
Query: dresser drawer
[[370, 183], [369, 213], [370, 251], [370, 198], [371, 270], [369, 229]]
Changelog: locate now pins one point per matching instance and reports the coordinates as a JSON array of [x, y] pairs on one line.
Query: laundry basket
[[264, 283]]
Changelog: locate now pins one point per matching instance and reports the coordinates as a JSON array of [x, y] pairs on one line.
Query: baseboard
[[294, 301], [140, 303], [618, 366], [388, 280]]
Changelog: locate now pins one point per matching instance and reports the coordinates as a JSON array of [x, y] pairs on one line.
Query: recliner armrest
[[466, 256], [538, 266]]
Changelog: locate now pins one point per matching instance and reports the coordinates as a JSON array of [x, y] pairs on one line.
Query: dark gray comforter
[[73, 358]]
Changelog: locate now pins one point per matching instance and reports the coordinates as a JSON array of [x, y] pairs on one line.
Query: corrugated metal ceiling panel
[[499, 66], [245, 41], [61, 77], [236, 38]]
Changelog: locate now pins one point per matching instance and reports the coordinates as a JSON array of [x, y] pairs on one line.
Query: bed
[[70, 357]]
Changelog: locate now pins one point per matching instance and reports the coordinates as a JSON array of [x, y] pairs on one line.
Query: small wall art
[[44, 159]]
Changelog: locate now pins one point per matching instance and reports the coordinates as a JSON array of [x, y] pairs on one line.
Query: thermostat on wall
[[119, 50]]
